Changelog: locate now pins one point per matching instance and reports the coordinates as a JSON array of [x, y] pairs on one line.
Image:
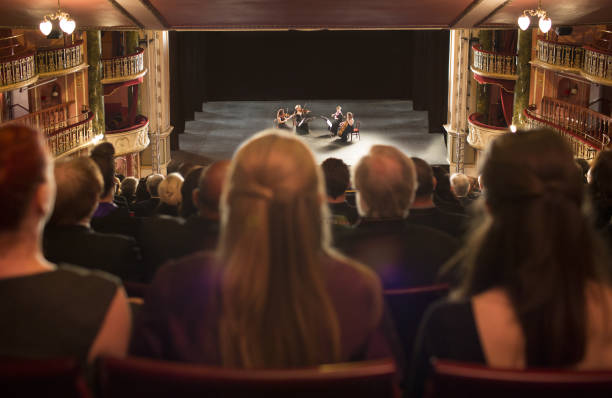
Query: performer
[[281, 120], [346, 127], [300, 120], [337, 120]]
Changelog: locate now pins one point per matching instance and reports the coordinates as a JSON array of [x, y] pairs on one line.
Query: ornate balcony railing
[[128, 67], [481, 134], [68, 139], [54, 61], [491, 64], [45, 118], [586, 130], [597, 63], [130, 139], [17, 71], [563, 55]]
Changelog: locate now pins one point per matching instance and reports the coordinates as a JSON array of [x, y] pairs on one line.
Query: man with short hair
[[402, 254], [337, 181], [423, 210], [146, 208], [68, 237], [460, 186]]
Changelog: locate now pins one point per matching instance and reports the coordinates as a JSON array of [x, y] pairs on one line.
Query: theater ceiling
[[301, 14]]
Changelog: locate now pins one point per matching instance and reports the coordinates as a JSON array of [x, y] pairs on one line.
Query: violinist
[[346, 127], [281, 120], [337, 119], [300, 120]]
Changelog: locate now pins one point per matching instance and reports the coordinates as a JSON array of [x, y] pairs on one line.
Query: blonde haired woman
[[274, 295], [170, 194]]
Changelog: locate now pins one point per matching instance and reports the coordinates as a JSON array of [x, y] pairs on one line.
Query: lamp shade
[[545, 24], [67, 25], [523, 22], [45, 27]]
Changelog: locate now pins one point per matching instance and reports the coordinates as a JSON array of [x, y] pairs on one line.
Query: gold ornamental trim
[[63, 72], [127, 78], [491, 75], [20, 84]]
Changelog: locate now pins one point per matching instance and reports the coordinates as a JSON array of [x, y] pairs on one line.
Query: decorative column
[[485, 38], [94, 78], [131, 45], [523, 69]]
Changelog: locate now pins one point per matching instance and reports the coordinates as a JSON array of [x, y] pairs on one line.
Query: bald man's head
[[206, 197]]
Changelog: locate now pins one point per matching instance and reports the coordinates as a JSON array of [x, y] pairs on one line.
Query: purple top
[[104, 209], [180, 318]]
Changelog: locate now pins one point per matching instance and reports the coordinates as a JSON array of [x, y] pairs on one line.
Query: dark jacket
[[451, 223], [76, 244], [146, 208], [118, 221]]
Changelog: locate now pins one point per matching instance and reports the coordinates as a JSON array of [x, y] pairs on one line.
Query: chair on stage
[[138, 377], [458, 380], [355, 132], [49, 378], [407, 308]]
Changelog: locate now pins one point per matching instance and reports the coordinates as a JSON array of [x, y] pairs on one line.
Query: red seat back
[[137, 377], [407, 308], [51, 378], [454, 379]]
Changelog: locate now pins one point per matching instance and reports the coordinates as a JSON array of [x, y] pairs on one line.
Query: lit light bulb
[[45, 27], [513, 128], [545, 24], [67, 25], [524, 22]]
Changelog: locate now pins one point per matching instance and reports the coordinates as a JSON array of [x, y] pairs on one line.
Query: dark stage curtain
[[224, 66]]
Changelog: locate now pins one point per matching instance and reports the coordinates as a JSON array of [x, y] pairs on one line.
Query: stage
[[219, 129]]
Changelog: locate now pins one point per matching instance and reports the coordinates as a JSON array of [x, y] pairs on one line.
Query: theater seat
[[407, 308], [49, 378], [457, 380], [138, 377]]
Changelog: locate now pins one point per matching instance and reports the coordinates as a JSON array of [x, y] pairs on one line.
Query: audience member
[[68, 237], [142, 193], [185, 168], [402, 254], [163, 238], [187, 207], [443, 195], [275, 295], [460, 186], [537, 291], [170, 195], [128, 190], [423, 210], [600, 187], [337, 181], [110, 218], [48, 310], [147, 207], [584, 166]]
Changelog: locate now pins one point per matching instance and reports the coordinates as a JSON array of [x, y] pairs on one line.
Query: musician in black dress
[[300, 118], [281, 120], [346, 127], [337, 119]]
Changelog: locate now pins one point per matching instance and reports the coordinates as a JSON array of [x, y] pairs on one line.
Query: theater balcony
[[480, 133], [52, 62], [493, 65], [17, 71], [129, 142], [124, 68], [597, 65], [71, 135], [587, 131]]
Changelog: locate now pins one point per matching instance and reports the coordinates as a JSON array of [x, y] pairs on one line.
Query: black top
[[167, 209], [347, 131], [146, 208], [301, 127], [403, 255], [343, 213], [79, 245], [448, 331], [54, 314], [452, 223], [119, 221]]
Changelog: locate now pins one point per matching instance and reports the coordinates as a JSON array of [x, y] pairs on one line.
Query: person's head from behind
[[600, 179], [170, 189], [337, 177], [460, 185], [79, 184], [152, 184], [27, 186], [536, 244], [425, 179], [103, 154], [276, 310], [129, 186], [386, 182], [188, 207], [210, 186]]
